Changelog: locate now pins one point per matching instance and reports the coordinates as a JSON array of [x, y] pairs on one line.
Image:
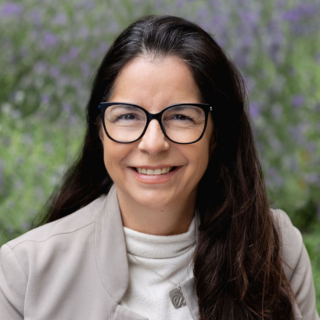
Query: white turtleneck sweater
[[169, 256]]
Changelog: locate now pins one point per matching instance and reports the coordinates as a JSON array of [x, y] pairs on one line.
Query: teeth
[[153, 172], [165, 170]]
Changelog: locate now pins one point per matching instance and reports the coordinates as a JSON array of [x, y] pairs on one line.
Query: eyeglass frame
[[157, 116]]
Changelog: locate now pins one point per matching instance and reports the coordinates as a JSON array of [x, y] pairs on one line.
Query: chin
[[155, 199]]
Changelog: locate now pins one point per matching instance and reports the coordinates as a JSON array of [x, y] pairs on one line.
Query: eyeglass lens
[[182, 124]]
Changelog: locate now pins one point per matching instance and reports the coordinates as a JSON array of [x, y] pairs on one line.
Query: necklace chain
[[163, 277], [176, 294], [177, 298]]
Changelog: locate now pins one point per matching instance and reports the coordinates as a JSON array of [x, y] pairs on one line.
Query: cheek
[[198, 158], [203, 161], [110, 156], [114, 156]]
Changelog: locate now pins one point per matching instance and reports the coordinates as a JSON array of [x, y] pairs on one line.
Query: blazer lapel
[[111, 252], [111, 256]]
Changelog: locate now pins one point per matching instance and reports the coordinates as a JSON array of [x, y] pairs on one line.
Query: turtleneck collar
[[160, 247]]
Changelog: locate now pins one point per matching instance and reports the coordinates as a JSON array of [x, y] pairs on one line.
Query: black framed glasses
[[183, 123]]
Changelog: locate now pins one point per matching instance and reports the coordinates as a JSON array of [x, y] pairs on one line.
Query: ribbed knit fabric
[[169, 256]]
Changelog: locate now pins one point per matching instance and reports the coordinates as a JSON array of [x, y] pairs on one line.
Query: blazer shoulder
[[290, 237], [69, 224], [297, 266], [287, 230]]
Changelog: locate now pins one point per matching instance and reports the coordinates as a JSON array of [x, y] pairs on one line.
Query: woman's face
[[154, 85]]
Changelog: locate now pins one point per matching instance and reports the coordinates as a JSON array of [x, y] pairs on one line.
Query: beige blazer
[[77, 268]]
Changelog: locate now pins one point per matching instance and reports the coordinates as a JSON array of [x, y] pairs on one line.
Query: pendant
[[177, 298]]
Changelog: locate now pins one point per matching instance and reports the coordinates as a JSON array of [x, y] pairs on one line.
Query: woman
[[165, 215]]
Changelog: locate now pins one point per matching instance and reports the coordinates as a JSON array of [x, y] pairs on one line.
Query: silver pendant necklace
[[176, 295]]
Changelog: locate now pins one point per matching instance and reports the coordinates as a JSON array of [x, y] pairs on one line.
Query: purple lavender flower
[[9, 229], [312, 178], [64, 59], [66, 107], [26, 226], [311, 147], [50, 39], [40, 67], [45, 99], [255, 109], [274, 177], [303, 10], [36, 17], [296, 133], [86, 71], [103, 47], [251, 18], [73, 119], [297, 100], [302, 18], [54, 71], [202, 14], [87, 3], [308, 9], [73, 53], [247, 41], [11, 9], [292, 15], [180, 3], [60, 19]]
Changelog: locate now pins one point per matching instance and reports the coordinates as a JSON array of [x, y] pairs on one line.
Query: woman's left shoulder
[[296, 263], [290, 236], [293, 250]]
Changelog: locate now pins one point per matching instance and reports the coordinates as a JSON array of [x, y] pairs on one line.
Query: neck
[[168, 220]]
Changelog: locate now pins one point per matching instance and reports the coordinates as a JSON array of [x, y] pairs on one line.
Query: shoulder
[[43, 249], [293, 250], [40, 250], [70, 224], [41, 245], [297, 266], [290, 237]]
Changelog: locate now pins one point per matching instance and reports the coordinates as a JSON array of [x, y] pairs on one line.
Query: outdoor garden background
[[51, 49]]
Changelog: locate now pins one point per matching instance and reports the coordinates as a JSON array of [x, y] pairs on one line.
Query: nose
[[153, 140]]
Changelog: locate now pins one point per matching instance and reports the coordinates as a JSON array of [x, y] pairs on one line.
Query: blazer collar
[[111, 253]]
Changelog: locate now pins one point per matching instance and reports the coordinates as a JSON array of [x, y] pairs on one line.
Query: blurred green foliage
[[51, 49]]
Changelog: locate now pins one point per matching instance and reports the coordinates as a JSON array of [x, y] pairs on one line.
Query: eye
[[124, 115], [181, 117], [128, 116]]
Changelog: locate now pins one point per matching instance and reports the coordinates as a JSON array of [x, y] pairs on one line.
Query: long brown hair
[[237, 266]]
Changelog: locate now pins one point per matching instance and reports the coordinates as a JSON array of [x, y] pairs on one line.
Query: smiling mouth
[[154, 172]]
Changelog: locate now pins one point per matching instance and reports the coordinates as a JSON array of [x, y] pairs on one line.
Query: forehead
[[155, 83]]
